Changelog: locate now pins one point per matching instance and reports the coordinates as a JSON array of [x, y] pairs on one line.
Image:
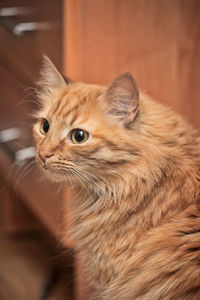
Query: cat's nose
[[44, 155]]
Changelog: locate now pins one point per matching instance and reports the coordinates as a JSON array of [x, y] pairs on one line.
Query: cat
[[134, 166]]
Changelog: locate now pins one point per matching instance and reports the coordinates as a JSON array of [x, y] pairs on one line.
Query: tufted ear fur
[[122, 98], [51, 77]]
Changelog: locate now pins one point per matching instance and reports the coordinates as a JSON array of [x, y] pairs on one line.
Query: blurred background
[[92, 41]]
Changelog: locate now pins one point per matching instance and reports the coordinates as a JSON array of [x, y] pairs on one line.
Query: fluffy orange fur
[[137, 184]]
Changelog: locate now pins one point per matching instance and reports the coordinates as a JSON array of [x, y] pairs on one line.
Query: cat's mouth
[[48, 169], [53, 173], [56, 172]]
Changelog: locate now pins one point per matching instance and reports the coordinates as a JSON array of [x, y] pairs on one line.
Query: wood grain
[[157, 41]]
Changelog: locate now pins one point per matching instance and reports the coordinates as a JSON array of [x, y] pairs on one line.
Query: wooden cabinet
[[20, 61], [20, 54]]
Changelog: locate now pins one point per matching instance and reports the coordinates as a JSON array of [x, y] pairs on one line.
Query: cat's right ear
[[50, 77]]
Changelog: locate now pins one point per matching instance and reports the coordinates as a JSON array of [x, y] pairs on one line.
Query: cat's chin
[[55, 176]]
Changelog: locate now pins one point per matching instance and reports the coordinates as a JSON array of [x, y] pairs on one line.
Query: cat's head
[[84, 130]]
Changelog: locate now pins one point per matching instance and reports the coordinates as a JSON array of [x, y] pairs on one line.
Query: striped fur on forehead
[[69, 102]]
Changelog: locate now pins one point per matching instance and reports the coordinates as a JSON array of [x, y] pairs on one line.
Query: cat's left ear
[[122, 98], [51, 77]]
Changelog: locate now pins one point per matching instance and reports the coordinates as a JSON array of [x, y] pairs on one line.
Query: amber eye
[[44, 126], [79, 136]]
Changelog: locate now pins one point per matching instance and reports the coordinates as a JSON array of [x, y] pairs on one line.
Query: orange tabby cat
[[135, 168]]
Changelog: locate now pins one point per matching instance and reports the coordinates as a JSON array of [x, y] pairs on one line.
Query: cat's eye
[[79, 136], [44, 126]]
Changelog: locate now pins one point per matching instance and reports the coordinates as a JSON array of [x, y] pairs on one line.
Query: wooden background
[[157, 41]]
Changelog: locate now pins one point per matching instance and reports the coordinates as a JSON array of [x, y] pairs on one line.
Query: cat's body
[[126, 244], [137, 186]]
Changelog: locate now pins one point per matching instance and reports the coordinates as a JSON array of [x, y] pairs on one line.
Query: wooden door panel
[[157, 41]]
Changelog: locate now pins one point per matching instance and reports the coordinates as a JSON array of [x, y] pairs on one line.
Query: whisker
[[91, 183], [59, 163], [104, 185], [81, 180], [18, 144], [27, 101], [92, 186], [24, 172]]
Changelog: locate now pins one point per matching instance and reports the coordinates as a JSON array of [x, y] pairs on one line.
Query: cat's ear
[[122, 98], [51, 77]]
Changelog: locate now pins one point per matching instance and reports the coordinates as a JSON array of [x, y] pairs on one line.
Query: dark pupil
[[46, 126], [79, 135]]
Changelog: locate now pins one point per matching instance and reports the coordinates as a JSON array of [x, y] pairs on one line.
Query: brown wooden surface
[[15, 216], [26, 263], [157, 41]]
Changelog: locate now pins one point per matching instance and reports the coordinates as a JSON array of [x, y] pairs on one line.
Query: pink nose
[[44, 155]]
